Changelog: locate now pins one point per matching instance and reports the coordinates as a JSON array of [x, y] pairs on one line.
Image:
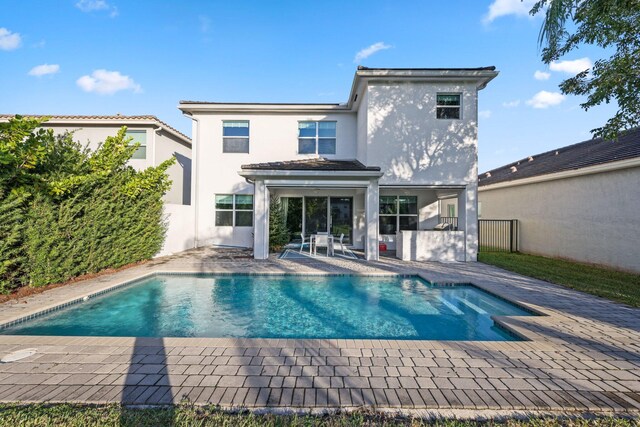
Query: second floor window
[[235, 136], [316, 137], [448, 106], [139, 136]]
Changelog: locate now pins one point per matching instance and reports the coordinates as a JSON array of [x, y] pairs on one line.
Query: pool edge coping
[[500, 321]]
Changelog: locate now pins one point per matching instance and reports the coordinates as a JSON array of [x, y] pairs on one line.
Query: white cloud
[[97, 6], [484, 114], [571, 67], [511, 104], [368, 51], [9, 40], [544, 99], [507, 7], [541, 75], [44, 69], [106, 82]]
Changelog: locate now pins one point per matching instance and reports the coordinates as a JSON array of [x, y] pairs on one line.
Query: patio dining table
[[313, 247]]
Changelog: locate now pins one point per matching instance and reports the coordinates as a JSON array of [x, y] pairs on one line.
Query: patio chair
[[303, 240], [322, 240], [443, 226], [340, 242]]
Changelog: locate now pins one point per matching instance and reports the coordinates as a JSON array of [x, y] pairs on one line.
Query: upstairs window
[[138, 136], [448, 106], [316, 137], [235, 136]]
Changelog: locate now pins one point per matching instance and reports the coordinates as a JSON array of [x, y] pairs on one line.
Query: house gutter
[[195, 139]]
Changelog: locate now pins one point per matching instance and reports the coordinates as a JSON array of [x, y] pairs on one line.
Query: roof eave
[[255, 173], [481, 77]]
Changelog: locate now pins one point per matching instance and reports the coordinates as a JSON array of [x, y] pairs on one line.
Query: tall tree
[[610, 24]]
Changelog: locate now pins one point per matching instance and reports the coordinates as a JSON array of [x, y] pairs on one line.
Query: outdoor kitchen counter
[[430, 245]]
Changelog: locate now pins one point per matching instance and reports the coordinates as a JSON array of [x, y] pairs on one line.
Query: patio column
[[260, 220], [468, 220], [372, 209]]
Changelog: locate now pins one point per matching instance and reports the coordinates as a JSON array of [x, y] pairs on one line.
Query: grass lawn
[[603, 282], [115, 415]]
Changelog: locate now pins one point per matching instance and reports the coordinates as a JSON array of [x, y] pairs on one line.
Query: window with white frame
[[234, 210], [448, 106], [316, 137], [138, 136], [398, 213], [235, 136]]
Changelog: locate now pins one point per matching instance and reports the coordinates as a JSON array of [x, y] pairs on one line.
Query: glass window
[[306, 146], [234, 210], [408, 205], [138, 137], [408, 222], [388, 205], [224, 218], [398, 213], [388, 225], [224, 201], [244, 218], [244, 202], [448, 106], [235, 136], [316, 137]]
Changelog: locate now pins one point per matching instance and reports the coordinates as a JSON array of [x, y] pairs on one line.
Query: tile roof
[[319, 164], [576, 156], [113, 117]]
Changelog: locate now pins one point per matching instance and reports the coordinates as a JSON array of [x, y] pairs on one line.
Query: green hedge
[[65, 211]]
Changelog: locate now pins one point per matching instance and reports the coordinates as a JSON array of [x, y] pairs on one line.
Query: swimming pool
[[282, 306]]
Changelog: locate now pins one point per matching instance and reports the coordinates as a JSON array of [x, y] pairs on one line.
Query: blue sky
[[143, 57]]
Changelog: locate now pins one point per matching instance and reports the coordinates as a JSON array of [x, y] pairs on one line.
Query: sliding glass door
[[341, 217], [315, 215], [311, 215]]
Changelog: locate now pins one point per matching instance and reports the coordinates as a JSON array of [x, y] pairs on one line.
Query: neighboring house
[[158, 142], [373, 168], [580, 202]]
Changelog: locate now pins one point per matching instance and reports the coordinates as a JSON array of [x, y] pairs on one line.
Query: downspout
[[194, 176]]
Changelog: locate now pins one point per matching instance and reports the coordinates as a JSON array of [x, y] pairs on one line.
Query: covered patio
[[344, 199]]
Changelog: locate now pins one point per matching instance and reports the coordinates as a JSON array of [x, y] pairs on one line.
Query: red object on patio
[[382, 247]]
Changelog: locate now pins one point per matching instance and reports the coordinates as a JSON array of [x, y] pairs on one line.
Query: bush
[[65, 211]]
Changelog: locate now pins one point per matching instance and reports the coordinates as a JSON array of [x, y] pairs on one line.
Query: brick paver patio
[[583, 355]]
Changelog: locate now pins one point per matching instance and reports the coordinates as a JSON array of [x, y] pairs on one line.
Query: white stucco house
[[372, 168], [158, 142], [579, 202]]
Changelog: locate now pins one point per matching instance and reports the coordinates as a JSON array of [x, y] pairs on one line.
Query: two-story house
[[373, 168]]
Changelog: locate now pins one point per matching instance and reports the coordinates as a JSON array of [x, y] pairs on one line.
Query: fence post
[[511, 236]]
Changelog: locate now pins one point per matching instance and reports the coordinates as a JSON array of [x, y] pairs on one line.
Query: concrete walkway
[[583, 355]]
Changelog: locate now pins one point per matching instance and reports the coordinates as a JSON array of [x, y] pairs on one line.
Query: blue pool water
[[282, 307]]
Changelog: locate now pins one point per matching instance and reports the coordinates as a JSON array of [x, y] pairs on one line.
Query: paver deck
[[582, 355]]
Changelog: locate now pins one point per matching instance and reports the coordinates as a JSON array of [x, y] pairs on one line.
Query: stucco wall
[[167, 145], [592, 218], [179, 236], [406, 140], [272, 137]]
